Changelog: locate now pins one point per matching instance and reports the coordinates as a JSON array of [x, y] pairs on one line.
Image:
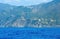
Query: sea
[[30, 33]]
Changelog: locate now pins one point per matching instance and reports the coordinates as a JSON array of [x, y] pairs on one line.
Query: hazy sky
[[24, 2]]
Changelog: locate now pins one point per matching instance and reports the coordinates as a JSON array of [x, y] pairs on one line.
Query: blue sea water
[[29, 33]]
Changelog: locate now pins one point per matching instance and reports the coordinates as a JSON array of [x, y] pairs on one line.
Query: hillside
[[35, 15]]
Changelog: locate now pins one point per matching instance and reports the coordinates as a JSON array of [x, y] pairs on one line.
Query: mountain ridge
[[49, 11]]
